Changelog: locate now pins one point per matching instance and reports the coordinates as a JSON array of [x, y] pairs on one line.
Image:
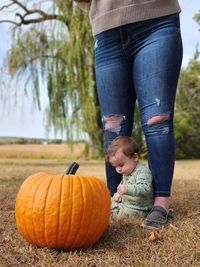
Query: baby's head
[[123, 154]]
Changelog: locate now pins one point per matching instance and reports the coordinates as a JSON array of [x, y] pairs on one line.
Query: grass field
[[124, 243], [50, 151]]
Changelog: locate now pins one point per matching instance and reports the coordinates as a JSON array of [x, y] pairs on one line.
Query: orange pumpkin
[[62, 211]]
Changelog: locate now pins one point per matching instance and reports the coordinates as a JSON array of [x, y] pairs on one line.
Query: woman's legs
[[146, 56], [156, 70], [116, 93]]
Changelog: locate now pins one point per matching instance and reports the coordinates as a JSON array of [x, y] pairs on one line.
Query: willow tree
[[52, 50], [197, 18]]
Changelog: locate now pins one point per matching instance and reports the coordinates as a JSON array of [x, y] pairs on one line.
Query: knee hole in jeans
[[158, 119], [158, 125], [112, 123]]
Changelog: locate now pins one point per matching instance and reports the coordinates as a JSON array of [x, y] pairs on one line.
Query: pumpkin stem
[[72, 168]]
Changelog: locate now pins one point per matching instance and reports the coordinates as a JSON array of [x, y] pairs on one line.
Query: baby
[[134, 194]]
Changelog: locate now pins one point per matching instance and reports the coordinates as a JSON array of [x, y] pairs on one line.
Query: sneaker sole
[[151, 227]]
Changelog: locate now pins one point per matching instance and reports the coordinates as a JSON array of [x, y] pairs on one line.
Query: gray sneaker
[[157, 218]]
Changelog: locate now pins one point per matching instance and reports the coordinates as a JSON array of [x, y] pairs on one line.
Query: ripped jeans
[[141, 61]]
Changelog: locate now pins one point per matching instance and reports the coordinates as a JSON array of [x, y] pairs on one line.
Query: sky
[[23, 119]]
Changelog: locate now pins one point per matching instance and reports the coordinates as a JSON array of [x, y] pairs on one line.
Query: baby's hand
[[117, 197], [121, 189]]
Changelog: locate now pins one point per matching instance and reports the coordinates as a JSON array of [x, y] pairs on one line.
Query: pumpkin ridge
[[71, 209], [25, 209], [45, 202], [82, 213], [61, 190], [73, 217], [65, 208], [32, 206], [98, 226], [105, 203], [19, 218], [92, 215]]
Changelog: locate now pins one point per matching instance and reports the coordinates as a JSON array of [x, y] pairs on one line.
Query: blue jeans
[[141, 61]]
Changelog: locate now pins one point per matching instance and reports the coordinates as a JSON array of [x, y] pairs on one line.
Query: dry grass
[[124, 243], [54, 151]]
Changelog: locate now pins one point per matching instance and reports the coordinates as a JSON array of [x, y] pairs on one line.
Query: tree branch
[[43, 16], [6, 6], [20, 4], [9, 21]]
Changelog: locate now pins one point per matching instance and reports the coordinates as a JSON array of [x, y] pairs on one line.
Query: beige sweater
[[108, 14]]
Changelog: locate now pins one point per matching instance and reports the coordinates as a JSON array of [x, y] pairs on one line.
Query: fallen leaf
[[155, 236]]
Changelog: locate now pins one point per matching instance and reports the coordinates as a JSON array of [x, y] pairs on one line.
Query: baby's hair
[[126, 143]]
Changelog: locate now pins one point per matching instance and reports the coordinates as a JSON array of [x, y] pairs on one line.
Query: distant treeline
[[24, 140]]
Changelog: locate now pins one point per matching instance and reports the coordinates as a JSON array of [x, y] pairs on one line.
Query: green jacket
[[138, 197]]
